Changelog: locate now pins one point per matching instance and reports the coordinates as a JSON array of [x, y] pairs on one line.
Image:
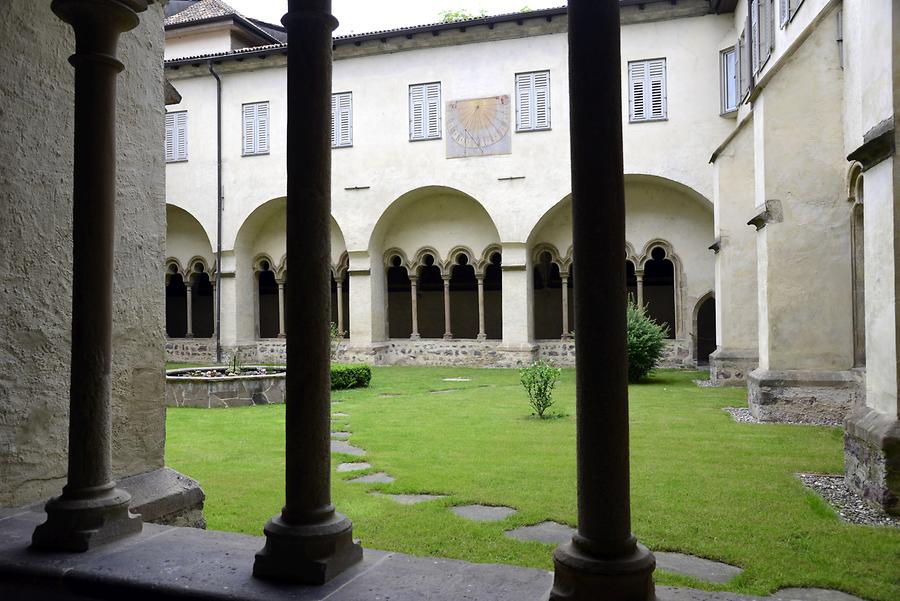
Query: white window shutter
[[784, 8], [524, 101], [170, 137], [342, 120], [637, 78], [417, 112], [334, 120], [542, 100], [262, 128], [433, 100], [181, 145], [754, 35], [249, 129], [656, 83]]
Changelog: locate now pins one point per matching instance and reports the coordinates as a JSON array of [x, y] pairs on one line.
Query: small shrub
[[645, 342], [539, 378], [350, 376]]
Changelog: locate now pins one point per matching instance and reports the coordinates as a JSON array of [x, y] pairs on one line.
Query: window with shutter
[[176, 136], [647, 90], [425, 111], [255, 128], [786, 10], [342, 120], [533, 101], [754, 35]]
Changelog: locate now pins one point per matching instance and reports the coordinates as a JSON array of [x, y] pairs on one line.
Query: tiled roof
[[201, 11]]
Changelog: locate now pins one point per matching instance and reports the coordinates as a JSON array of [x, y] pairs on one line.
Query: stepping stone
[[444, 390], [457, 379], [812, 594], [339, 415], [379, 478], [389, 394], [551, 533], [340, 435], [483, 513], [696, 567], [339, 446], [353, 467], [410, 499]]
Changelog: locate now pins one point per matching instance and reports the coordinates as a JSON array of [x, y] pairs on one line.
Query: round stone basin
[[214, 387]]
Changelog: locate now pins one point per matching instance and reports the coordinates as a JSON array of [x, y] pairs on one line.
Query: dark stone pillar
[[91, 510], [308, 542], [603, 561]]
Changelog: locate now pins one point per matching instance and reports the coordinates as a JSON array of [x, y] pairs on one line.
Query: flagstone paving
[[376, 478], [551, 533], [353, 467], [483, 513], [340, 446], [409, 499], [696, 567], [340, 435]]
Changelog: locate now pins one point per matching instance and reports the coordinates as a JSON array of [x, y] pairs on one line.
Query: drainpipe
[[220, 201]]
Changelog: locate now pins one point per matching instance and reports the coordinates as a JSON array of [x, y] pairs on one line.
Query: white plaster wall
[[182, 43], [185, 238], [36, 246]]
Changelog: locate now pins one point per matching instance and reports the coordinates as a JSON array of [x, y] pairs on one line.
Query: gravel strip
[[742, 415], [849, 506]]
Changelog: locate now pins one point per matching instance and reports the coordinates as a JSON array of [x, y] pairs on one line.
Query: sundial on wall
[[478, 127]]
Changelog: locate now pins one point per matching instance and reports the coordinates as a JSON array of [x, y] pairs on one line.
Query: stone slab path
[[696, 567], [377, 478], [409, 499], [483, 513], [353, 467], [812, 594], [339, 414], [339, 446], [551, 533], [340, 435]]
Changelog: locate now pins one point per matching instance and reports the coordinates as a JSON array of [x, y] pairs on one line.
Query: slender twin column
[[340, 304], [603, 560], [481, 333], [189, 288], [91, 510], [566, 333], [215, 306], [448, 333], [414, 301], [639, 277], [308, 541], [281, 329]]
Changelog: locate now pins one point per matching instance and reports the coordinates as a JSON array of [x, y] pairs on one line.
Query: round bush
[[645, 342]]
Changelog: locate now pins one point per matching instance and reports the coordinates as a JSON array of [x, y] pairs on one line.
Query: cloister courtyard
[[702, 483]]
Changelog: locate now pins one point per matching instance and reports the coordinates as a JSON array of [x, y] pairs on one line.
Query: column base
[[448, 336], [414, 336], [582, 577], [481, 336], [801, 396], [872, 457], [307, 553], [729, 367], [84, 520]]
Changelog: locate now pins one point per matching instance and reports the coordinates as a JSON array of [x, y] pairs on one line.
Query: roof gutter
[[220, 203]]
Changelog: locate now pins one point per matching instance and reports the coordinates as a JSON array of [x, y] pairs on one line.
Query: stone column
[[565, 307], [448, 333], [639, 277], [481, 333], [603, 559], [308, 542], [340, 305], [91, 510], [414, 301], [215, 323], [189, 309], [281, 329]]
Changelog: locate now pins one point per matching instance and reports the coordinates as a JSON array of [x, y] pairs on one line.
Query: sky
[[360, 16]]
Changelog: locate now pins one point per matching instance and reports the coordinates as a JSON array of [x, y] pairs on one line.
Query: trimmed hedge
[[350, 376]]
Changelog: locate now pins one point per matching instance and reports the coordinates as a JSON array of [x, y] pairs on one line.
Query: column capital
[[98, 23], [413, 279], [446, 278]]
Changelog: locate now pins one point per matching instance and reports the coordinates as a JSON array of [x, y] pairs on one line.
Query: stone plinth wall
[[676, 354], [228, 391], [803, 396], [731, 368], [190, 350], [872, 457]]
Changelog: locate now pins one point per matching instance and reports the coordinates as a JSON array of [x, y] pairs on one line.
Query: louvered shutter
[[249, 129], [754, 35], [341, 120], [656, 83], [417, 112], [542, 100], [637, 81], [170, 137], [525, 103], [784, 8], [262, 128], [433, 110], [181, 146]]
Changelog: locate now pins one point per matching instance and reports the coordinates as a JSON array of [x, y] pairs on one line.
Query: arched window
[[399, 299], [176, 304], [463, 298], [659, 289], [493, 297], [267, 288], [858, 270], [340, 297], [705, 329], [430, 299], [202, 310], [547, 298], [630, 282]]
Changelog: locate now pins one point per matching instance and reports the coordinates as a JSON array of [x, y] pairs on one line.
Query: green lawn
[[702, 484]]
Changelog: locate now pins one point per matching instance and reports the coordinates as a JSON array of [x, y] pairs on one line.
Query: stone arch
[[663, 285], [490, 269], [186, 239], [454, 255], [199, 278], [420, 259], [856, 198], [704, 328]]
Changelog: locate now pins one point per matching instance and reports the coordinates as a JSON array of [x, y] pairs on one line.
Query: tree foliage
[[645, 342], [452, 15]]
